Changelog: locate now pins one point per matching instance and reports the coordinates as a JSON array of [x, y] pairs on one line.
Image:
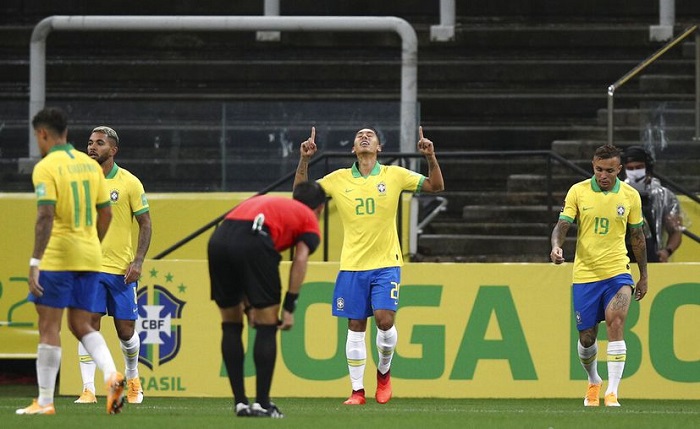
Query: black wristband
[[669, 251], [290, 302]]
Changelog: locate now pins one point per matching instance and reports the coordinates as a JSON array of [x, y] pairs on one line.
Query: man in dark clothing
[[663, 218], [244, 272]]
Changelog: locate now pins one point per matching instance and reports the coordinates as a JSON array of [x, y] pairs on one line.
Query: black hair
[[52, 118], [639, 154], [309, 193]]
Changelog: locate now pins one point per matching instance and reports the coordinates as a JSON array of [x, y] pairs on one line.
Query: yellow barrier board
[[464, 330], [174, 217]]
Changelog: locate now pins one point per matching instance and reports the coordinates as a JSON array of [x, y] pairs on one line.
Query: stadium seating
[[520, 75]]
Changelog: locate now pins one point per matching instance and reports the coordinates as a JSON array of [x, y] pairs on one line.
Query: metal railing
[[391, 157], [409, 48], [644, 64]]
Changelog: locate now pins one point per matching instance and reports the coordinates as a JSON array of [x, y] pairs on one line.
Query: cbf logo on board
[[158, 323]]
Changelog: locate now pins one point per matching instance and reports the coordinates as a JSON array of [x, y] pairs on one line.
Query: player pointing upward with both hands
[[367, 196]]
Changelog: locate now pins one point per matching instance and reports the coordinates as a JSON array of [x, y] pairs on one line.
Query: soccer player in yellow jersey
[[604, 207], [73, 215], [367, 196], [121, 267]]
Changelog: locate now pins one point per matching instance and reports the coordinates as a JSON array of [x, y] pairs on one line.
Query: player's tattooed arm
[[306, 151], [557, 240], [639, 247]]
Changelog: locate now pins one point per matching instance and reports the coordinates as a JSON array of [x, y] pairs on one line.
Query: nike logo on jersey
[[348, 190], [587, 208]]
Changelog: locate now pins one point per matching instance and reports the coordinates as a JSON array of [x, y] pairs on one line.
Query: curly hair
[[52, 118]]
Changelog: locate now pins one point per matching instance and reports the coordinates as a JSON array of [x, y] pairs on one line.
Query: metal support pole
[[272, 8], [697, 86], [611, 103], [445, 32], [409, 48], [224, 155], [667, 12], [667, 19]]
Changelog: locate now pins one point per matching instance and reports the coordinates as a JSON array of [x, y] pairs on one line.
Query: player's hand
[[425, 146], [33, 280], [641, 290], [557, 255], [308, 147], [287, 321], [133, 272]]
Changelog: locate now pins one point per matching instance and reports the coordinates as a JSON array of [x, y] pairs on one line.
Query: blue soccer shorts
[[75, 289], [116, 298], [358, 294], [591, 299]]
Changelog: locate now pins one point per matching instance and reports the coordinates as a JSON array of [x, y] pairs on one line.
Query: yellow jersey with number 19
[[74, 183], [367, 207], [602, 217], [128, 200]]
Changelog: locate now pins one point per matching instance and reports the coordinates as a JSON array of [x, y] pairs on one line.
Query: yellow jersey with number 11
[[74, 183]]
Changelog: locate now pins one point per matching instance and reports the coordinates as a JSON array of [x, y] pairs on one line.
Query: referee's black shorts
[[243, 263]]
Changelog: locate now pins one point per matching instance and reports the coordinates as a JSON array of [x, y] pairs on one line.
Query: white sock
[[48, 361], [617, 353], [95, 344], [130, 349], [589, 361], [87, 368], [386, 343], [356, 353]]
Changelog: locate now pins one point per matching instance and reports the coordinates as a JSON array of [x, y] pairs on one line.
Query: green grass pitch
[[328, 413]]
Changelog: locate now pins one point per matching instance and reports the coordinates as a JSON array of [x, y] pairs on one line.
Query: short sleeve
[[570, 209]]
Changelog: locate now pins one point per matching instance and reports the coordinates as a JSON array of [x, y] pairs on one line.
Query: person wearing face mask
[[662, 211]]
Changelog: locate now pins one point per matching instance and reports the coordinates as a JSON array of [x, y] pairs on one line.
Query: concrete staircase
[[520, 75]]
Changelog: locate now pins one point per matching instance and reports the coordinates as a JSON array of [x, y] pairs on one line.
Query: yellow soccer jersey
[[128, 200], [602, 219], [368, 207], [74, 183]]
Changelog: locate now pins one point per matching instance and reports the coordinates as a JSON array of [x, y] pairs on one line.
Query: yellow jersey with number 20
[[367, 207]]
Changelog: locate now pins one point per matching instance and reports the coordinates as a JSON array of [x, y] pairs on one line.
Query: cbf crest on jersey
[[381, 187], [158, 324], [620, 210], [114, 195]]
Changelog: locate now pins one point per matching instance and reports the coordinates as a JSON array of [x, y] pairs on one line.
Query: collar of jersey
[[596, 188], [374, 172], [113, 171], [65, 147]]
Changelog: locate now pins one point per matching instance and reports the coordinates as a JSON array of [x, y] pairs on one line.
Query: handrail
[[638, 69], [392, 156], [442, 206]]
